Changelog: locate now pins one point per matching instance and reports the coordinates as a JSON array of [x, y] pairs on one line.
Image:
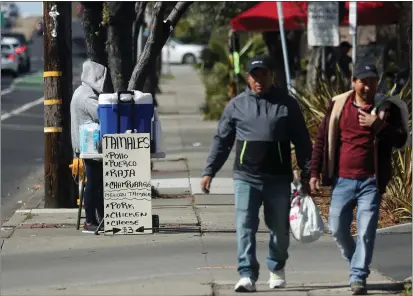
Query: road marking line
[[6, 91], [22, 109], [20, 127]]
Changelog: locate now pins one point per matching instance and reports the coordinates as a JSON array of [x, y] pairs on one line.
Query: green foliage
[[215, 83], [218, 75], [105, 15], [188, 32], [206, 18], [217, 14], [182, 28], [399, 190]]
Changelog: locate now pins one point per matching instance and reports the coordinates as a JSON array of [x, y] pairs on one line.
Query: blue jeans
[[348, 193], [93, 195], [276, 200]]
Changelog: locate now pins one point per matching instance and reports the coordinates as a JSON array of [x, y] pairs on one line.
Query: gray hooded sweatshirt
[[84, 105]]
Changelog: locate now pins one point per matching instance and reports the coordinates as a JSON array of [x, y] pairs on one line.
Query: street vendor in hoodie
[[84, 109], [263, 121]]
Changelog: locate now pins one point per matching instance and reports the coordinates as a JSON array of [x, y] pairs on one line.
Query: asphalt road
[[107, 261], [22, 145], [6, 81]]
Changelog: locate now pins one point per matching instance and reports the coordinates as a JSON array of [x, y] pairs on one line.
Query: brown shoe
[[358, 288]]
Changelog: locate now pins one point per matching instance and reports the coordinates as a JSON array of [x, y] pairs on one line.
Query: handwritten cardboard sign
[[127, 183]]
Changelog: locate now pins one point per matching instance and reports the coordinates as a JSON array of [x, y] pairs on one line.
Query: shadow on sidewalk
[[382, 287], [176, 230], [391, 288]]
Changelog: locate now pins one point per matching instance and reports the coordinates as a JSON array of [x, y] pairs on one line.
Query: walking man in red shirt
[[352, 153]]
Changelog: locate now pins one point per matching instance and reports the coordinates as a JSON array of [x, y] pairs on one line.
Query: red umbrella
[[374, 13], [264, 16]]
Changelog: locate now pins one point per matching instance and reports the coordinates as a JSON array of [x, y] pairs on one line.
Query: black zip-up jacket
[[264, 128]]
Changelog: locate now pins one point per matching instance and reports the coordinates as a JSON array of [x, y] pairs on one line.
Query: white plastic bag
[[305, 220]]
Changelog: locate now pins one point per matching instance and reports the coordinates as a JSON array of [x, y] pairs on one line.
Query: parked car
[[23, 50], [182, 53], [18, 49], [9, 59]]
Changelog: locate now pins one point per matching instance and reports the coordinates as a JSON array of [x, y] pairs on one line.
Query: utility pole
[[57, 17]]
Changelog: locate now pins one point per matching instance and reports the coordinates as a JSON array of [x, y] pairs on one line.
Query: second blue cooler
[[122, 111]]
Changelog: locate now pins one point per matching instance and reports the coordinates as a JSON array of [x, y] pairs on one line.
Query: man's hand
[[314, 185], [206, 184], [366, 119]]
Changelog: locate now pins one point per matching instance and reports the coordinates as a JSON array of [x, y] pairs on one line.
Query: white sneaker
[[277, 279], [245, 285]]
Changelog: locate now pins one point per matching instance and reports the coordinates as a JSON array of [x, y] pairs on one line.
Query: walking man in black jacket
[[263, 121]]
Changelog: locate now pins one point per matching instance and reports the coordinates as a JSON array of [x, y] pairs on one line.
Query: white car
[[181, 53], [9, 59], [19, 49]]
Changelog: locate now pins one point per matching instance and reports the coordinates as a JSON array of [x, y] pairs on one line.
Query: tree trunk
[[95, 33], [160, 31], [140, 8], [119, 42], [58, 153]]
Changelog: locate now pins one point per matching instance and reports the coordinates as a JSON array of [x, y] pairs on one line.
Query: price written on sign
[[127, 183]]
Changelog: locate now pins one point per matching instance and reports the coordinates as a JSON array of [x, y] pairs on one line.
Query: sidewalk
[[195, 251]]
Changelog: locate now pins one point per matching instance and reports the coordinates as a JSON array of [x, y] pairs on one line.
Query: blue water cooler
[[126, 110]]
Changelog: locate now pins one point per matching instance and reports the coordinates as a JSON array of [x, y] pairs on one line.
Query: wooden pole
[[57, 17]]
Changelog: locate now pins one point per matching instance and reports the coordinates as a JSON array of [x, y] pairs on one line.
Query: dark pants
[[93, 196]]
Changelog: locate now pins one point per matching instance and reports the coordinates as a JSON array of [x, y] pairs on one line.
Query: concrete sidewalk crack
[[204, 250], [197, 215], [214, 289]]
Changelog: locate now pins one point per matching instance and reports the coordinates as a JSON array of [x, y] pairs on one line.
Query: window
[[5, 47], [19, 37]]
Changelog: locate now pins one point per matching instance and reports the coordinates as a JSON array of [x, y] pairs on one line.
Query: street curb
[[400, 228], [48, 211], [15, 220], [176, 186], [167, 158]]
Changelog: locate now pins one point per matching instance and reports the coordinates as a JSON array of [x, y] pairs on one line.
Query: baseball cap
[[260, 62], [365, 70]]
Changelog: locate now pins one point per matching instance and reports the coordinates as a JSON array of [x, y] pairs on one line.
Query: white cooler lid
[[139, 97]]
